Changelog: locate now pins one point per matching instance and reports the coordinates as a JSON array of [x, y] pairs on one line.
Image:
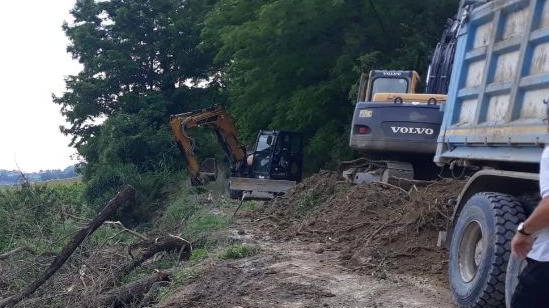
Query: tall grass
[[43, 217], [31, 215], [193, 220]]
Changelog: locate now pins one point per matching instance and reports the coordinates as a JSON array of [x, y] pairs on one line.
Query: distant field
[[76, 179]]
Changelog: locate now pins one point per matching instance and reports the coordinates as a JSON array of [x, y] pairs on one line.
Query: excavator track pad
[[366, 171]]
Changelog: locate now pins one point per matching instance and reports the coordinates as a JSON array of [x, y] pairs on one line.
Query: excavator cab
[[278, 155], [275, 166], [378, 81]]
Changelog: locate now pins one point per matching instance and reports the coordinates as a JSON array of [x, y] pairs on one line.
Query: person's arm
[[539, 219]]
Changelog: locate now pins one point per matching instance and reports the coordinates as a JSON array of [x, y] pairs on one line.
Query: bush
[[152, 188], [305, 204]]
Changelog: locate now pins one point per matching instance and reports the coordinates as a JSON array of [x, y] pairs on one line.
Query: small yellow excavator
[[272, 168]]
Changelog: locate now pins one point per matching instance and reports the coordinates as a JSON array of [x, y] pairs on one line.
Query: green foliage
[[44, 217], [238, 251], [249, 205], [178, 211], [291, 65], [198, 255], [199, 223], [151, 187]]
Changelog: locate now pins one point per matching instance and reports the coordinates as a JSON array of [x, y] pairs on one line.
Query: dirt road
[[298, 274], [331, 244]]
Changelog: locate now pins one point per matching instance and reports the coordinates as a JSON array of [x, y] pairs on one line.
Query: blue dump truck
[[494, 128]]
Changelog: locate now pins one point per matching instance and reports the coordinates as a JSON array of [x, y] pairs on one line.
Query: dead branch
[[127, 194], [149, 248], [125, 294], [410, 182], [25, 182], [390, 185], [167, 243], [8, 254], [120, 226]]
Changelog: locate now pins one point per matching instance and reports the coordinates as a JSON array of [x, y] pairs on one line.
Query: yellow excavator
[[272, 168]]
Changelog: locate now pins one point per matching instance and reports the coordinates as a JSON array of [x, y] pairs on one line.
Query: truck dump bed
[[495, 109]]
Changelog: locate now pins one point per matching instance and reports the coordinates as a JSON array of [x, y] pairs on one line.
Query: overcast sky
[[34, 64]]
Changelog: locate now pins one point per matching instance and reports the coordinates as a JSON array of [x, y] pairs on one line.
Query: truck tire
[[480, 249], [514, 268]]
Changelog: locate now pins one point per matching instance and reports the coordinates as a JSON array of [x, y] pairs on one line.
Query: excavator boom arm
[[219, 120]]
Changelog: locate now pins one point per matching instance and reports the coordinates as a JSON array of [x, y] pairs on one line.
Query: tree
[[290, 64], [141, 62]]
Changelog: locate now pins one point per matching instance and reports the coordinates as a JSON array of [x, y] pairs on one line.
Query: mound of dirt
[[378, 228]]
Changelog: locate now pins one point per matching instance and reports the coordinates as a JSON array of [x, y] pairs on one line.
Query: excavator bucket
[[260, 186], [208, 169], [207, 173]]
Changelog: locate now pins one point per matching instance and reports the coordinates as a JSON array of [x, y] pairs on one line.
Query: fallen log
[[148, 249], [128, 293], [127, 194]]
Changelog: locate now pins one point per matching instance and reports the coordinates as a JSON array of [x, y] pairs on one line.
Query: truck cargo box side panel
[[499, 83]]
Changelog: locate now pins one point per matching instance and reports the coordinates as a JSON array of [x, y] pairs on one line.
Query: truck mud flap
[[260, 185]]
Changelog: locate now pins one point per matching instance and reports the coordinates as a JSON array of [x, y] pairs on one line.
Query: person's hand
[[521, 245]]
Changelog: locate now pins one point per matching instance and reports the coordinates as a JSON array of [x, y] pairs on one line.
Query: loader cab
[[380, 81], [278, 155]]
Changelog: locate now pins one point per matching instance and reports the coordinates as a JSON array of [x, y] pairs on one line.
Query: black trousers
[[533, 288]]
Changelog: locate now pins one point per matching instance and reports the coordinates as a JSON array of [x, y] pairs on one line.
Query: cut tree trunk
[[127, 293]]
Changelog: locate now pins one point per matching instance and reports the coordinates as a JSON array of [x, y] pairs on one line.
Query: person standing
[[531, 241]]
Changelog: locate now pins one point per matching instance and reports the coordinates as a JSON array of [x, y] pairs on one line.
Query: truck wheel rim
[[470, 252]]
